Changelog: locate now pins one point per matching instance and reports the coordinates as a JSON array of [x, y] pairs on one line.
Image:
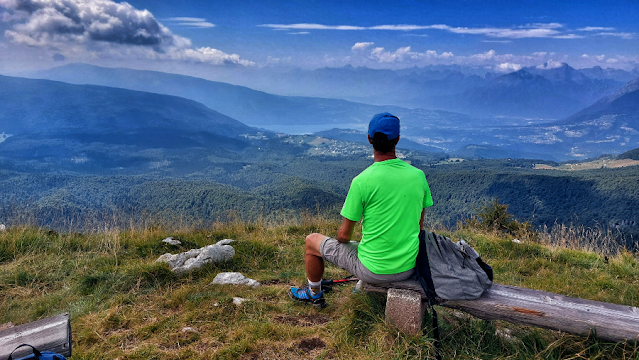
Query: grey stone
[[404, 310], [238, 300], [196, 258], [171, 241], [233, 278]]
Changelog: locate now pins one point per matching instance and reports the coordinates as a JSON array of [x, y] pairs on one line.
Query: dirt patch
[[311, 344], [274, 282], [251, 356], [302, 320]]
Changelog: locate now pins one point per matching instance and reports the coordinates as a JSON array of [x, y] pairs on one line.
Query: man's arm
[[345, 231], [421, 220]]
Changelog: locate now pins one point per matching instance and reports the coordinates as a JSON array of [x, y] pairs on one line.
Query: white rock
[[188, 329], [234, 278], [196, 258], [171, 241], [3, 227], [505, 334], [238, 300], [224, 242], [517, 241]]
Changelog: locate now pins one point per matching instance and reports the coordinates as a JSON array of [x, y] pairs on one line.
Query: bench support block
[[405, 310]]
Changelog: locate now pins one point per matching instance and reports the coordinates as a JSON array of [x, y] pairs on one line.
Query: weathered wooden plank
[[49, 334], [519, 305]]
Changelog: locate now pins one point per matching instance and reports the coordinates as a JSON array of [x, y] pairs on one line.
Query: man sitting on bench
[[390, 197]]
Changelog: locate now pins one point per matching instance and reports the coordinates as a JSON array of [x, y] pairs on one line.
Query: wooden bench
[[610, 322], [49, 334]]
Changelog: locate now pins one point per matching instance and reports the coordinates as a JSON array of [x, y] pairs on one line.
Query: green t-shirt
[[389, 197]]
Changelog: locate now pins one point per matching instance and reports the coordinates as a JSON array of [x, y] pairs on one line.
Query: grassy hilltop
[[125, 306]]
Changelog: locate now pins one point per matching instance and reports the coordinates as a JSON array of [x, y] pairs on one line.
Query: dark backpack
[[450, 271], [39, 355]]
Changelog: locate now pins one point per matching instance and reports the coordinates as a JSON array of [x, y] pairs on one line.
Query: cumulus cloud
[[361, 46], [404, 54], [103, 27], [509, 67], [488, 55], [388, 57]]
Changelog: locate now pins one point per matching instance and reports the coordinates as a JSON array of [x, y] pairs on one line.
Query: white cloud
[[526, 31], [188, 19], [191, 22], [206, 55], [509, 67], [485, 56], [626, 36], [388, 57], [550, 64], [596, 28], [361, 46], [104, 28], [404, 54], [312, 27], [535, 30]]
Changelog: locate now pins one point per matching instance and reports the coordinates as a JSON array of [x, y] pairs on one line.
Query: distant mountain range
[[249, 106], [531, 92], [537, 91]]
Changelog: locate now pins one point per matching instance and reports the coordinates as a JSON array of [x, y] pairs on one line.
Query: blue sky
[[496, 35]]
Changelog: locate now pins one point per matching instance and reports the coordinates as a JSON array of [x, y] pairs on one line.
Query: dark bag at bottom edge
[[40, 355]]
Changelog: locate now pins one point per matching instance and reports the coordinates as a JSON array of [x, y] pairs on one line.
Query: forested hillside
[[289, 186]]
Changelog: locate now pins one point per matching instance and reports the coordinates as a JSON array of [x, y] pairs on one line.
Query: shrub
[[494, 216]]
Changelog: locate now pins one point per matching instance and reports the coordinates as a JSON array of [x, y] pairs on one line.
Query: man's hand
[[345, 231]]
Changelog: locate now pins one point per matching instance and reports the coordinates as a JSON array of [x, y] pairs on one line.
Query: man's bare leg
[[313, 259]]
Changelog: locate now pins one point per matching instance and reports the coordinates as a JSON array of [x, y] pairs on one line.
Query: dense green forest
[[265, 185]]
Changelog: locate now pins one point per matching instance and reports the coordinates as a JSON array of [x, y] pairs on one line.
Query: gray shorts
[[344, 255]]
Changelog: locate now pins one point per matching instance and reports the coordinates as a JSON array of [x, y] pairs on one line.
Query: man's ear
[[397, 140], [370, 141]]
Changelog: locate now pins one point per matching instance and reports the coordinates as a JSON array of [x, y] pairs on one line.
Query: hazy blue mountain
[[575, 84], [101, 126], [597, 72], [45, 106], [254, 107], [532, 92], [241, 103], [609, 126], [516, 94]]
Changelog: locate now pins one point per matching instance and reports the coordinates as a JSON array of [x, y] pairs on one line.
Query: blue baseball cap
[[384, 123]]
